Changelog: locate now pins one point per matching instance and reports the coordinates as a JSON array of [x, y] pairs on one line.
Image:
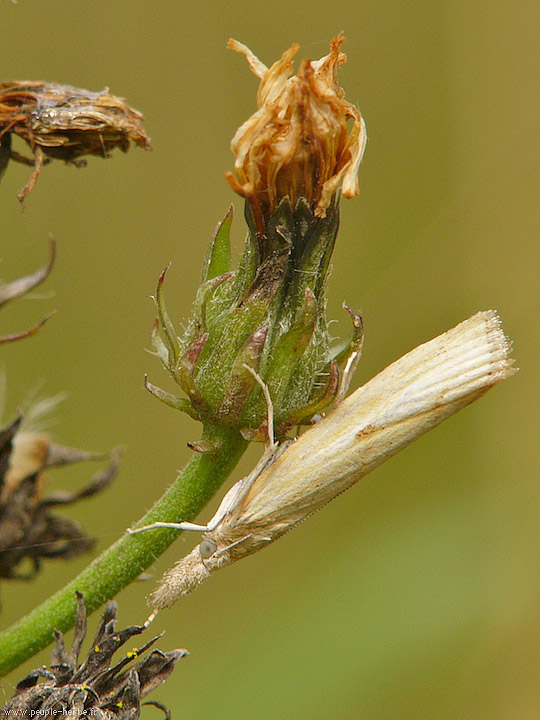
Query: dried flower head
[[28, 528], [298, 143], [64, 122], [93, 689]]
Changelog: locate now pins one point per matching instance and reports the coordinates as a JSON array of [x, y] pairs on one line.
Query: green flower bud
[[270, 314]]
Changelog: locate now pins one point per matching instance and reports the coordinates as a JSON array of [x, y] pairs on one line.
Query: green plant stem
[[128, 557]]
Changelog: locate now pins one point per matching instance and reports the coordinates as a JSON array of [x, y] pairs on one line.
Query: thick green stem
[[129, 556]]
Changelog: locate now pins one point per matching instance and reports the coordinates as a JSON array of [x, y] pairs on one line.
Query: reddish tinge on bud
[[298, 143]]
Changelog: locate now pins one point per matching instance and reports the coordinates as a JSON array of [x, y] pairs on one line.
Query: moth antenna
[[269, 407], [150, 619]]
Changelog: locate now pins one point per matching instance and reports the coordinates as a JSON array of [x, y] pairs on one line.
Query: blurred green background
[[416, 594]]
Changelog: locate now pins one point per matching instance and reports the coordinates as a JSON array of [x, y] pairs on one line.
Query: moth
[[291, 482]]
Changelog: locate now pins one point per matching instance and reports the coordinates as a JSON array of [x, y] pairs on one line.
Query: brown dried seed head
[[65, 122]]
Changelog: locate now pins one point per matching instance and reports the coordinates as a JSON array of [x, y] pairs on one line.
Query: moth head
[[207, 548]]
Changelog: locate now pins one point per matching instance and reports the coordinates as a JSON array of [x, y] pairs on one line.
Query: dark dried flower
[[64, 122], [28, 528], [93, 689], [20, 287]]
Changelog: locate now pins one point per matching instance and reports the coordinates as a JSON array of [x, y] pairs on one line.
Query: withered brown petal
[[157, 667], [60, 658], [80, 631]]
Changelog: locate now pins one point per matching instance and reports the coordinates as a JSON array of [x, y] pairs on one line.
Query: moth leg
[[272, 444], [348, 372], [150, 619], [356, 345], [268, 455], [171, 526]]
